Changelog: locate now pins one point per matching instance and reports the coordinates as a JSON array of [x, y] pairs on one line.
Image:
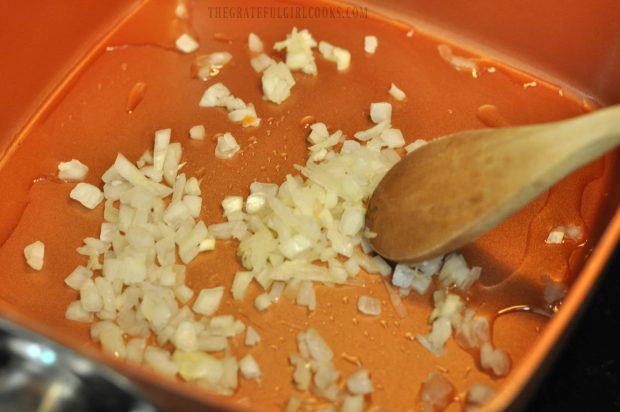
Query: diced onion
[[397, 93], [72, 171], [249, 368], [88, 195], [370, 44], [255, 44], [380, 112], [197, 132], [369, 306], [358, 383], [277, 82], [226, 147], [186, 43], [34, 254]]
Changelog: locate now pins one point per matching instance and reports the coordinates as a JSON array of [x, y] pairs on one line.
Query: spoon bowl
[[452, 190]]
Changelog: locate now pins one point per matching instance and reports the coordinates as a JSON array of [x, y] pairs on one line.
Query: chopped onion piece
[[34, 254], [380, 112], [261, 62], [197, 132], [478, 395], [159, 360], [240, 284], [76, 312], [459, 63], [77, 278], [251, 336], [358, 383], [436, 392], [72, 171], [495, 360], [555, 237], [277, 82], [208, 300], [185, 337], [434, 341], [395, 299], [415, 145], [226, 147], [255, 44], [455, 271], [299, 45], [306, 295], [162, 141], [369, 306], [232, 204], [352, 403], [393, 138], [249, 368], [88, 195], [370, 44], [554, 291], [262, 302], [341, 57], [186, 43], [397, 93]]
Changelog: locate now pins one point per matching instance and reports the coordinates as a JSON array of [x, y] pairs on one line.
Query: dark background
[[586, 374]]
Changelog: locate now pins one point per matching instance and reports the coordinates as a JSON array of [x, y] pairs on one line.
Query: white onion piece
[[294, 404], [306, 295], [197, 132], [261, 62], [299, 45], [262, 302], [393, 138], [436, 392], [255, 44], [458, 62], [76, 279], [434, 341], [352, 403], [135, 349], [226, 147], [34, 254], [340, 56], [554, 291], [162, 141], [369, 306], [473, 331], [159, 360], [358, 383], [370, 44], [185, 337], [249, 368], [72, 171], [208, 300], [555, 237], [89, 296], [76, 312], [213, 96], [493, 359], [478, 395], [380, 112], [397, 93], [277, 82], [395, 299], [455, 271], [251, 336], [186, 43], [88, 195]]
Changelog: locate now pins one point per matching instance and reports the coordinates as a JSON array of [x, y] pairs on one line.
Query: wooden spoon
[[454, 189]]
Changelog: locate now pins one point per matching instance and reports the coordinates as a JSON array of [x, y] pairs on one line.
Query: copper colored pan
[[70, 98]]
